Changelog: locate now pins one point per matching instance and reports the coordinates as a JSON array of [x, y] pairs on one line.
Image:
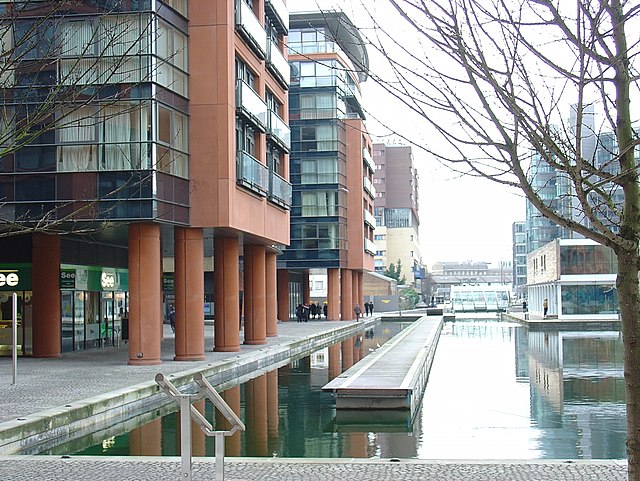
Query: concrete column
[[145, 294], [233, 444], [255, 311], [359, 281], [189, 290], [333, 294], [356, 445], [346, 294], [306, 287], [146, 440], [347, 354], [227, 288], [271, 294], [355, 293], [283, 295], [256, 414], [335, 367], [45, 281]]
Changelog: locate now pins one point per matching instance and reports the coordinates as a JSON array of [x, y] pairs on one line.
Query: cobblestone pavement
[[50, 468]]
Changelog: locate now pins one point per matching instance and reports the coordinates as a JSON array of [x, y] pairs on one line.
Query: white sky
[[461, 218]]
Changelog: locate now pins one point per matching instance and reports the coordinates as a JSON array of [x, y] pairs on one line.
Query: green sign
[[15, 277], [168, 282], [67, 278]]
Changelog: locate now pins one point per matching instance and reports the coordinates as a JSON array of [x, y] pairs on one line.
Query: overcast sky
[[461, 218]]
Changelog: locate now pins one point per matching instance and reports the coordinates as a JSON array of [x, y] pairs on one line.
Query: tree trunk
[[627, 284]]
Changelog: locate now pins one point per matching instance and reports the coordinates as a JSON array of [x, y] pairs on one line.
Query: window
[[318, 106], [319, 203], [245, 137], [173, 139], [172, 48], [318, 138]]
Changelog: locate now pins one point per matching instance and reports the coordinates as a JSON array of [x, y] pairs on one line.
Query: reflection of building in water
[[571, 372]]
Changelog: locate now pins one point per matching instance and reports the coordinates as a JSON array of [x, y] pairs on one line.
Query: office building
[[519, 262]]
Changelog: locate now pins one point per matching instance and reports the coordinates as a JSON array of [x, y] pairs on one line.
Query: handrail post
[[185, 437]]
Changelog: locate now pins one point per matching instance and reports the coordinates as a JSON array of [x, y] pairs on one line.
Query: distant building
[[519, 263], [576, 276], [396, 212], [444, 275]]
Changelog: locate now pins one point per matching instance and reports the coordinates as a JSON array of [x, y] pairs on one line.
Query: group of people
[[314, 310]]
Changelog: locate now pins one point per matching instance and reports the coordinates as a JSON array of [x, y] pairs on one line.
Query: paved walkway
[[49, 383], [49, 468]]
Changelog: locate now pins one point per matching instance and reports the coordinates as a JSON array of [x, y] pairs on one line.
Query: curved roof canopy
[[343, 31]]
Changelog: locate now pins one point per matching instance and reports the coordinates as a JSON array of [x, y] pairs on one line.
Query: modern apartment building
[[396, 212], [331, 167], [171, 142]]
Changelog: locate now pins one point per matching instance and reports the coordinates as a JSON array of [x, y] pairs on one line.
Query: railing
[[278, 64], [249, 27], [366, 156], [189, 413], [280, 190], [277, 11], [279, 131], [252, 174], [251, 105]]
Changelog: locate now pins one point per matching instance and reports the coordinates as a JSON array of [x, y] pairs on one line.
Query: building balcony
[[369, 247], [251, 174], [278, 65], [366, 156], [279, 131], [369, 218], [280, 190], [279, 15], [250, 29], [249, 104], [368, 187]]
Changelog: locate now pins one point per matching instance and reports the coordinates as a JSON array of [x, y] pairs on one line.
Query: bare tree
[[493, 78], [71, 75]]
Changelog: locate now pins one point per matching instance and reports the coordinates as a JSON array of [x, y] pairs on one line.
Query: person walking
[[545, 308], [299, 313], [366, 308], [325, 309], [358, 311], [371, 308], [172, 319]]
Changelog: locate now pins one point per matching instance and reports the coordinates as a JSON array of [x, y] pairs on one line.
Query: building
[[168, 139], [396, 212], [577, 277], [445, 275], [519, 263], [331, 168]]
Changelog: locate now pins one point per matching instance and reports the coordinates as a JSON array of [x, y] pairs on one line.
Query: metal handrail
[[188, 412]]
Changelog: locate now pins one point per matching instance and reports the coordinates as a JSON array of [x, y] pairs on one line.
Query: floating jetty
[[395, 375]]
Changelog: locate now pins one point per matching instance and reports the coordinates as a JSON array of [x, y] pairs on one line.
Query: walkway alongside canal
[[51, 393], [50, 468]]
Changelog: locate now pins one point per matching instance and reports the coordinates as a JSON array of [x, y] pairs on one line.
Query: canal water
[[496, 391]]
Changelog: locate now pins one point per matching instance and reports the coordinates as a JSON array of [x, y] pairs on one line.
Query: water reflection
[[496, 391]]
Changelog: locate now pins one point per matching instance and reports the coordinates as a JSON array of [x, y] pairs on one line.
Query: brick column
[[271, 285], [45, 281], [189, 290], [333, 294], [346, 294], [283, 295], [145, 313], [255, 312], [227, 300]]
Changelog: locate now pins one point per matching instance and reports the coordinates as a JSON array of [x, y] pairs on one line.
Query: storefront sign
[[168, 283], [15, 277], [67, 279], [108, 281]]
